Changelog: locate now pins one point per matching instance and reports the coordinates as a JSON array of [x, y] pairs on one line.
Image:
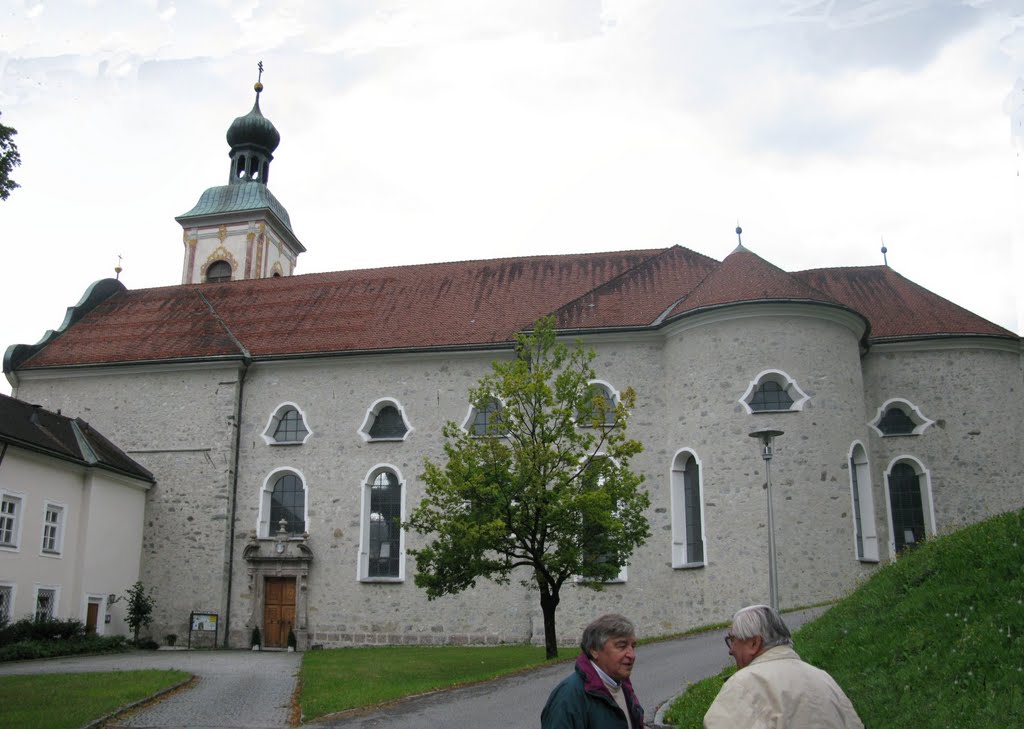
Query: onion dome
[[254, 129]]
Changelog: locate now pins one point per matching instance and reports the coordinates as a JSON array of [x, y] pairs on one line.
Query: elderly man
[[773, 687], [598, 694]]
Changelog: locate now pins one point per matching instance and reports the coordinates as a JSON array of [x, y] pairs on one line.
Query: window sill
[[382, 580], [690, 566], [900, 435], [51, 554], [286, 442], [386, 440], [772, 412]]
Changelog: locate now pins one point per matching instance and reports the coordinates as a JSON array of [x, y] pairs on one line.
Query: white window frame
[[927, 502], [467, 423], [371, 415], [275, 420], [16, 519], [363, 557], [55, 608], [264, 529], [921, 422], [787, 383], [677, 502], [11, 589], [58, 537], [615, 402], [862, 496]]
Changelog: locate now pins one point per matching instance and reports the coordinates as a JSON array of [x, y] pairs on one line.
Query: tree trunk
[[548, 603]]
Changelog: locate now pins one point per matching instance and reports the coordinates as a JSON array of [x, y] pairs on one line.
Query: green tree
[[542, 481], [9, 159], [139, 606]]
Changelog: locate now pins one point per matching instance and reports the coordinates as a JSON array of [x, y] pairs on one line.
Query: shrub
[[255, 638], [41, 629], [291, 638], [28, 649], [171, 639], [147, 644]]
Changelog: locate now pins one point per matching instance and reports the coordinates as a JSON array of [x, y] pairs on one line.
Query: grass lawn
[[935, 640], [69, 700], [346, 678]]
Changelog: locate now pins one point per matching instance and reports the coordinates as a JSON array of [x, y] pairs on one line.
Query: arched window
[[864, 531], [770, 395], [900, 417], [599, 407], [385, 420], [773, 391], [910, 510], [381, 551], [283, 504], [287, 426], [218, 271], [485, 420], [687, 512], [595, 544]]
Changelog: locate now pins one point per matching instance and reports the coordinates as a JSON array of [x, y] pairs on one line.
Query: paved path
[[235, 689], [247, 690], [661, 672]]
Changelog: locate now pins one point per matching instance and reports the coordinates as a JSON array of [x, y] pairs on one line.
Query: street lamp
[[766, 437]]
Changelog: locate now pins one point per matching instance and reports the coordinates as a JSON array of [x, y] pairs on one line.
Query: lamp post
[[766, 437]]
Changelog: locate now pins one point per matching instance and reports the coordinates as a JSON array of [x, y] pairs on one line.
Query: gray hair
[[761, 620], [601, 630]]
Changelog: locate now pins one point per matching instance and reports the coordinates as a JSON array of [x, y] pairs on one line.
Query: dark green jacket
[[581, 701]]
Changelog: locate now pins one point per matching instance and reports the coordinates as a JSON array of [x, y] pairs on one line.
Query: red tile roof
[[470, 303], [745, 276], [896, 306]]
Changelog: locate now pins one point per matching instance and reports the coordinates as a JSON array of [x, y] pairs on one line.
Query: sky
[[416, 131]]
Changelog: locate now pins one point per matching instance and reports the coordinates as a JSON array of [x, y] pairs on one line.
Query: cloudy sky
[[416, 131]]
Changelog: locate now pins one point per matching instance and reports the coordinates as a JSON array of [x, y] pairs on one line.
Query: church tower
[[240, 230]]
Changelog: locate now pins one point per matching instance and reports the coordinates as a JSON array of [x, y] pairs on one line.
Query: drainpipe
[[246, 361]]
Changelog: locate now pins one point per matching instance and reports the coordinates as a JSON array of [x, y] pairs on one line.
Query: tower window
[[218, 271]]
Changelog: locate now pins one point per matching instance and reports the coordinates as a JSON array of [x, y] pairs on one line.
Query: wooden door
[[92, 615], [278, 610]]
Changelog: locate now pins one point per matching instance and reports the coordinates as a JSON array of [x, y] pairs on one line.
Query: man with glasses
[[773, 687]]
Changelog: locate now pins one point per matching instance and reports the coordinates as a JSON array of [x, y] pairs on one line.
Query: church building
[[285, 420]]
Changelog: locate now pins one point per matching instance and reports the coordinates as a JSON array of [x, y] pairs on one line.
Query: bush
[[291, 638], [147, 644], [42, 630], [255, 638], [28, 649], [171, 639]]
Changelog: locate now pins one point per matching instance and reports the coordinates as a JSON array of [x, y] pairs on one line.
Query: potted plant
[[291, 640], [171, 639], [254, 639]]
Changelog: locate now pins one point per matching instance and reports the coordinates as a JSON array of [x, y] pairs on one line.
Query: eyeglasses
[[728, 641]]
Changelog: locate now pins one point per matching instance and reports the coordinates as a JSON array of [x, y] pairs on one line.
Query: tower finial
[[259, 80], [739, 233], [885, 259], [117, 268]]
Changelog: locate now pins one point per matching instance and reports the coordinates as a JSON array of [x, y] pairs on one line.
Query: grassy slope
[[935, 640]]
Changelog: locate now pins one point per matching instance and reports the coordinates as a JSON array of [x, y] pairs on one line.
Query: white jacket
[[779, 691]]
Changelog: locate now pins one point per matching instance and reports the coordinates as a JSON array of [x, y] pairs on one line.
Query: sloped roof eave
[[754, 302]]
